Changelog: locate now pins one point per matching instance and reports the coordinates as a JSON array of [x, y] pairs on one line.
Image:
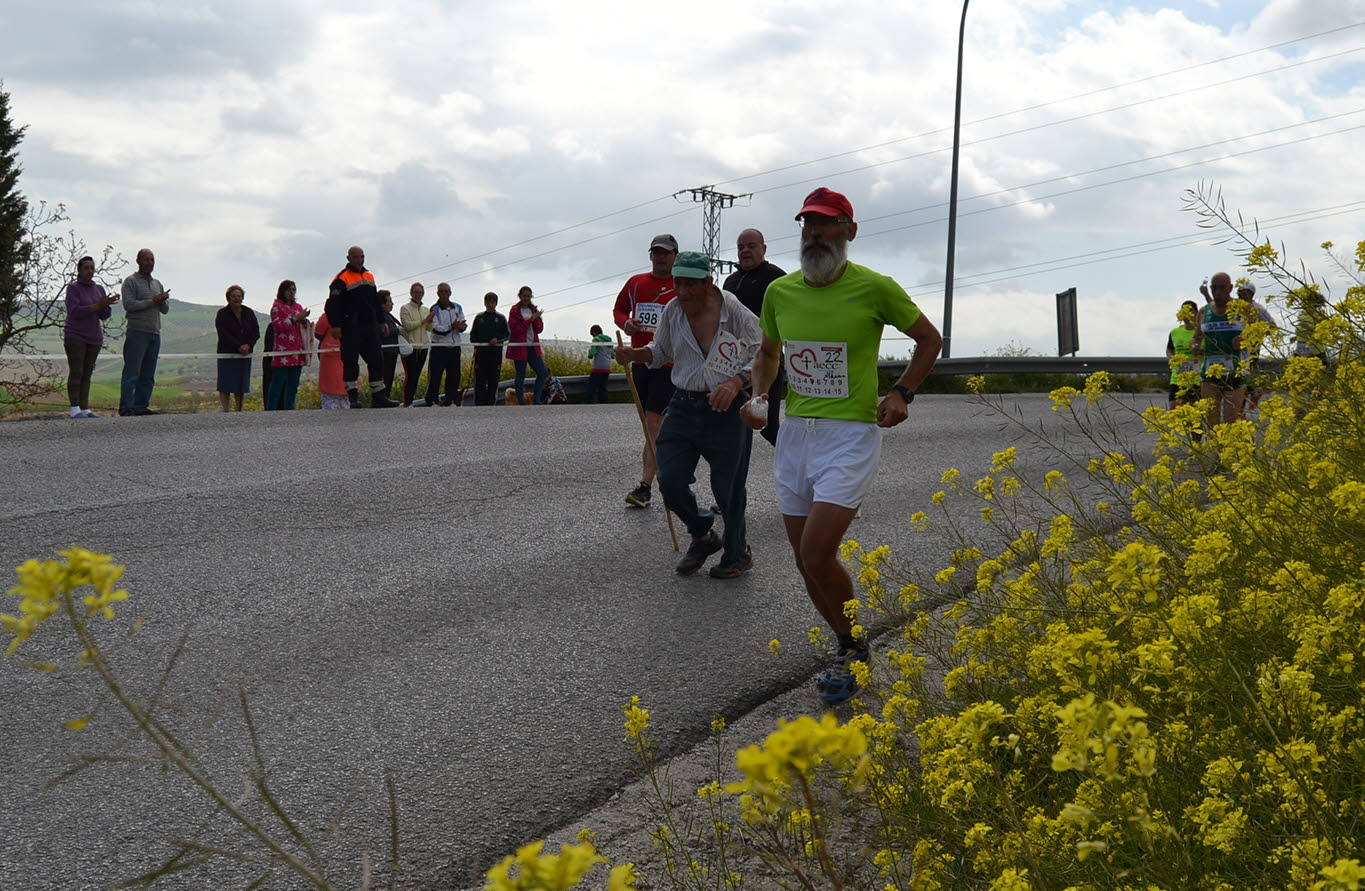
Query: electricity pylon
[[713, 203]]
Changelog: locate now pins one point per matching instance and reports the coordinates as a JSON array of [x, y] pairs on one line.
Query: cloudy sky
[[495, 145]]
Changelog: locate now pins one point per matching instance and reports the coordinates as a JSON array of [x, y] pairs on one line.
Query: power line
[[1205, 239], [1112, 182], [455, 278], [988, 118], [1031, 200], [1115, 166], [1037, 198], [534, 238], [1005, 114], [644, 203], [1140, 248], [1054, 179], [1043, 126], [1085, 259]]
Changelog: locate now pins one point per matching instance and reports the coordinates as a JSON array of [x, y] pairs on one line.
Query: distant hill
[[187, 328]]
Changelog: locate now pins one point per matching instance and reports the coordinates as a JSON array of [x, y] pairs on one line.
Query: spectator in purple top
[[238, 332], [87, 305]]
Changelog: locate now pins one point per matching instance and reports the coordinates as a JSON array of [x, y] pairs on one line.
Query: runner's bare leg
[[815, 543]]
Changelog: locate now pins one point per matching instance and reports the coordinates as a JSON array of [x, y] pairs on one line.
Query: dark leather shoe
[[697, 553], [146, 411], [734, 570]]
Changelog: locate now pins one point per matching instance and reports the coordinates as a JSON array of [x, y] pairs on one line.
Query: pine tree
[[38, 255], [14, 246]]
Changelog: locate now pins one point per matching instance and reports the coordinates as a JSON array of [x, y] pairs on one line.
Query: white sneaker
[[76, 411], [87, 413]]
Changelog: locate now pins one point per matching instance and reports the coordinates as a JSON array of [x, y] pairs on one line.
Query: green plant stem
[[663, 793], [173, 753], [788, 861], [821, 844]]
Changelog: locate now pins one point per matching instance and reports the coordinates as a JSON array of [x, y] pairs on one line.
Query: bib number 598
[[647, 315]]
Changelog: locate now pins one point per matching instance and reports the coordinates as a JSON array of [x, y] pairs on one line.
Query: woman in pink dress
[[290, 324]]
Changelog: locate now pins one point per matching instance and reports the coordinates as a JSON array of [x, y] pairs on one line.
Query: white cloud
[[256, 142]]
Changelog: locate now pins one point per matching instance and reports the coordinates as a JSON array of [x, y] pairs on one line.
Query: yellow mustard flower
[[637, 718]]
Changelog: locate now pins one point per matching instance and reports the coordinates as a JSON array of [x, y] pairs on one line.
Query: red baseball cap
[[827, 202]]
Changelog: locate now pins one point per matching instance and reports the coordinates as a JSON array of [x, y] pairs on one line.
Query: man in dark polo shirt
[[749, 283]]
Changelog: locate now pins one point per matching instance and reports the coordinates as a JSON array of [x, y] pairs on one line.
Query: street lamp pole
[[952, 197]]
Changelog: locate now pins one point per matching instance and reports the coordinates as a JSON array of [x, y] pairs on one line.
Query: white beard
[[822, 261]]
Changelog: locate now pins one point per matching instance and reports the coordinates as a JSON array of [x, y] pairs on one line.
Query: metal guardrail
[[576, 385], [1043, 365]]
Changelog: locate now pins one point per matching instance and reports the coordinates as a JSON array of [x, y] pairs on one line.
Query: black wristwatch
[[906, 393]]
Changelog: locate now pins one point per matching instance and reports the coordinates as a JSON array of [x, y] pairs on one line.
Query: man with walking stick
[[710, 338]]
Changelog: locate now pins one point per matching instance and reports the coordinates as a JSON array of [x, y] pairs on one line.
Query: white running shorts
[[822, 459]]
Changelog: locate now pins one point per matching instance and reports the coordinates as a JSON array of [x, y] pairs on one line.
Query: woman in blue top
[[1217, 344]]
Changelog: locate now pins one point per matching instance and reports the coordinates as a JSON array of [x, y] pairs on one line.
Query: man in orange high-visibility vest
[[353, 310]]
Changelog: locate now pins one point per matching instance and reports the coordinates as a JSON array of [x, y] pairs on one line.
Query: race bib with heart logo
[[726, 359], [647, 315], [817, 369]]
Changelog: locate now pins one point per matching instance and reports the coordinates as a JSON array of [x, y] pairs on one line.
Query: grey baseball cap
[[665, 241]]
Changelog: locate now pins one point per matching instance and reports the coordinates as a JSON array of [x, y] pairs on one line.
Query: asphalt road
[[457, 593]]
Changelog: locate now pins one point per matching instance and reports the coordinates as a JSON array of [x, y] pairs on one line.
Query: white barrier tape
[[53, 357]]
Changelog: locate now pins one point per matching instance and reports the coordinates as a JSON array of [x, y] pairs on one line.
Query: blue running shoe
[[836, 684]]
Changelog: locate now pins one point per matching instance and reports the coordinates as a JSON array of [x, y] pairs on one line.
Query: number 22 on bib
[[817, 369]]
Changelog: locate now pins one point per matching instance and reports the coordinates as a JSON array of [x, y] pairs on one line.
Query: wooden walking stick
[[649, 440]]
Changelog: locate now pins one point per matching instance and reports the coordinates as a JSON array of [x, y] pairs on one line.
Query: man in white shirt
[[447, 332], [710, 338]]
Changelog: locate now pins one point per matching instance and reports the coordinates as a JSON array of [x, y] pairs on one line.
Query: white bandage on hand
[[756, 410]]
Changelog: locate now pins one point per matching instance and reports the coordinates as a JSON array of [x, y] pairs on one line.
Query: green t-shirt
[[832, 338], [1219, 333], [1180, 341]]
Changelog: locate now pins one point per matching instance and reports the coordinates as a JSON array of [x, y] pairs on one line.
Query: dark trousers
[[80, 360], [412, 372], [691, 431], [444, 361], [487, 370], [390, 359], [775, 394], [284, 387], [538, 366], [597, 386], [359, 342], [267, 365], [140, 351], [267, 379]]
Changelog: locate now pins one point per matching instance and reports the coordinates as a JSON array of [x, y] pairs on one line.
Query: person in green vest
[[1179, 356], [1217, 344]]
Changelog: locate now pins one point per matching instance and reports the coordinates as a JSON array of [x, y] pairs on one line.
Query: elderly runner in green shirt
[[823, 324]]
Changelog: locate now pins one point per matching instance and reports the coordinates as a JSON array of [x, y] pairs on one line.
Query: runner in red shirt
[[637, 311]]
